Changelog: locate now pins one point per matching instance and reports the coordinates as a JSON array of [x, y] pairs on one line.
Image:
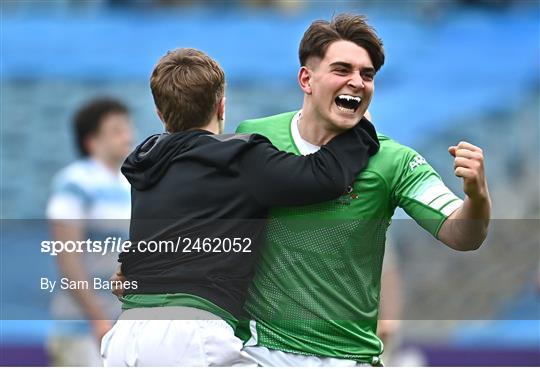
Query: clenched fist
[[469, 165]]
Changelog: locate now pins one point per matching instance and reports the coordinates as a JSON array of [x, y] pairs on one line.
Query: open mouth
[[348, 103]]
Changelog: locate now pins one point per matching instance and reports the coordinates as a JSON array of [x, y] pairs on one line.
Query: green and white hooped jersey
[[317, 284]]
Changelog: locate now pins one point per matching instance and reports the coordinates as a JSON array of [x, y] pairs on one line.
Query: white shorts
[[268, 357], [203, 340]]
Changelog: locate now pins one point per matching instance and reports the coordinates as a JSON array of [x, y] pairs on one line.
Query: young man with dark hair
[[315, 296], [94, 117], [210, 192], [85, 193]]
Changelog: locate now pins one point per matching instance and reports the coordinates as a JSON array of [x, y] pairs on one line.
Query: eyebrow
[[341, 64], [349, 66]]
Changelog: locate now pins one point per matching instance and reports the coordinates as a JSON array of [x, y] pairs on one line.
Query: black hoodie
[[192, 186]]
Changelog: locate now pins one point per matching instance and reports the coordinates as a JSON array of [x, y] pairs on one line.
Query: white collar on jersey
[[303, 146]]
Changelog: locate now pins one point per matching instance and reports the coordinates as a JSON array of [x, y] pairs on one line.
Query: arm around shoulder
[[277, 178]]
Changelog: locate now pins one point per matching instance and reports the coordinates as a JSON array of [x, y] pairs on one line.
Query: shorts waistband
[[168, 313]]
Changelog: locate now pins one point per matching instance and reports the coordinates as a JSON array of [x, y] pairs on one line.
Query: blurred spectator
[[86, 193]]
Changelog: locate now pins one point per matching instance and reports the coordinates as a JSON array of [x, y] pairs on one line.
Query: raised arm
[[466, 228]]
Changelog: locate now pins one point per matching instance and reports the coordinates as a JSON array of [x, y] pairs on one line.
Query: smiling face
[[338, 88]]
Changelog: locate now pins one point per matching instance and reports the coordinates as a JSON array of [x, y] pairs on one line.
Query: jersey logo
[[416, 162], [347, 197]]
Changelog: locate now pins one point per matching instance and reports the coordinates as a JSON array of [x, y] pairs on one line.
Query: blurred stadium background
[[456, 70]]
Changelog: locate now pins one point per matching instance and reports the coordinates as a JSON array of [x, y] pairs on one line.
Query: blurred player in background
[[89, 199], [315, 297]]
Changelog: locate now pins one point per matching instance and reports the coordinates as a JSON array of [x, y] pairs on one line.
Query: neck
[[313, 129], [112, 165], [213, 126]]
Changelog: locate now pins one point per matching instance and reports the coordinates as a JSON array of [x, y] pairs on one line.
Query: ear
[[221, 109], [304, 77]]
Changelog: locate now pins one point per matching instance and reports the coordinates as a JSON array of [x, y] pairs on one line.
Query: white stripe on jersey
[[441, 201], [451, 207], [432, 193]]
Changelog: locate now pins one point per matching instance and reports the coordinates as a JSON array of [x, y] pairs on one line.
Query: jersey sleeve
[[420, 191], [68, 200]]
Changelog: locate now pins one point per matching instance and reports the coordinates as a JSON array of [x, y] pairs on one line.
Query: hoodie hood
[[145, 166]]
